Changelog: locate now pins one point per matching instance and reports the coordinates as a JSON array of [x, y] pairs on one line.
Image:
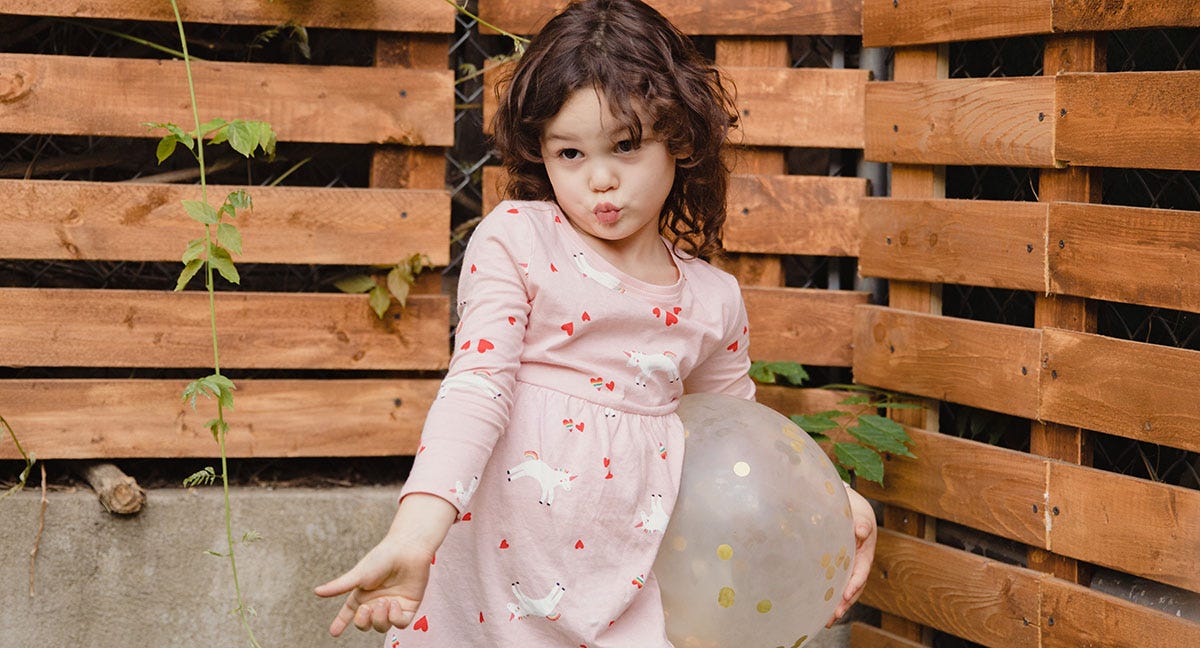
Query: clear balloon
[[761, 542]]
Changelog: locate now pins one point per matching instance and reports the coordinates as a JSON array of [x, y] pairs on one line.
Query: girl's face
[[610, 190]]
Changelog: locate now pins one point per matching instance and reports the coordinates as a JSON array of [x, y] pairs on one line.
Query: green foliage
[[770, 373], [201, 477], [30, 459], [386, 283]]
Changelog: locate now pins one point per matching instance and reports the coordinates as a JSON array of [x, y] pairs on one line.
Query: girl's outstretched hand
[[387, 584], [865, 533]]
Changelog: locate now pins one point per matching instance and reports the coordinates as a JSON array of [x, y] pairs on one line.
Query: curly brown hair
[[644, 67]]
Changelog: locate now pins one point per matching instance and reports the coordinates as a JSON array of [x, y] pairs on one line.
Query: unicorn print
[[546, 476], [464, 494], [656, 520], [542, 607], [475, 380], [599, 276], [648, 363]]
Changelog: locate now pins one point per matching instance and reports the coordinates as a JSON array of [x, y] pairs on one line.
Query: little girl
[[550, 461]]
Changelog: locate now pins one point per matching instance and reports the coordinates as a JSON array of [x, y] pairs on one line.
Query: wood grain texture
[[703, 17], [1130, 389], [1132, 525], [1106, 15], [991, 366], [1144, 120], [808, 326], [382, 15], [77, 419], [888, 24], [128, 328], [67, 95], [999, 244], [794, 215], [1087, 619], [969, 596], [814, 107], [962, 121], [865, 636], [145, 222], [1126, 254]]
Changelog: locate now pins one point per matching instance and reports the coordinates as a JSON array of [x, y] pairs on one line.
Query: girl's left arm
[[727, 368]]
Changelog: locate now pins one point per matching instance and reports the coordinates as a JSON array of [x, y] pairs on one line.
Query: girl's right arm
[[387, 585]]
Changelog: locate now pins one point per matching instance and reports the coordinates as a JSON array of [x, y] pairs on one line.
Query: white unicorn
[[658, 518], [546, 476], [599, 276], [464, 494], [477, 380], [648, 363], [543, 607]]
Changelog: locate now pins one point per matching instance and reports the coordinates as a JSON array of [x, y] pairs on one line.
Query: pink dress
[[555, 436]]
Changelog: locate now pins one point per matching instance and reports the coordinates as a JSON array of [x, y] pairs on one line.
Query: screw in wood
[[1041, 116], [745, 211], [1029, 248], [397, 402], [895, 128], [1061, 244], [1054, 510], [1050, 621], [403, 93], [1024, 371], [1035, 508], [1054, 374], [1062, 113]]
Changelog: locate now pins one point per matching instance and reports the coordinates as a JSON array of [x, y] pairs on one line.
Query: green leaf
[[221, 136], [380, 301], [201, 211], [251, 536], [243, 137], [196, 388], [200, 477], [814, 423], [856, 400], [210, 126], [398, 284], [865, 462], [195, 249], [166, 146], [229, 237], [223, 263], [881, 433], [770, 372], [355, 284], [266, 138], [183, 137], [239, 199], [759, 373], [900, 406], [819, 438], [189, 270]]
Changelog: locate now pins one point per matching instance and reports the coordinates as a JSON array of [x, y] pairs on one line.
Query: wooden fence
[[1068, 249]]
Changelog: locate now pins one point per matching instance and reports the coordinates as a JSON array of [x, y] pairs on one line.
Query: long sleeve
[[474, 402], [726, 370]]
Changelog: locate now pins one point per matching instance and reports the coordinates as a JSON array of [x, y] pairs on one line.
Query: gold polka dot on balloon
[[829, 487], [763, 606], [825, 560], [724, 552], [828, 593], [798, 447], [679, 543], [741, 469], [725, 597], [830, 571]]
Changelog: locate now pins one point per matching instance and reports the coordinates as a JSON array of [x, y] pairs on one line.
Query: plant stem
[[28, 461], [481, 21]]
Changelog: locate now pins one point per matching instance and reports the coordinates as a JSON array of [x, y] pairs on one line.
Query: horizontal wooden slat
[[69, 95], [145, 222], [89, 419], [999, 244], [980, 364], [1083, 617], [804, 400], [1128, 119], [887, 23], [1141, 527], [1130, 389], [865, 636], [127, 328], [808, 326], [812, 107], [1104, 15], [382, 15], [962, 121], [709, 17], [966, 595], [1126, 254], [794, 215]]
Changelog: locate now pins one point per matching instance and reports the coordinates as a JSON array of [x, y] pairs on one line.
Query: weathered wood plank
[[794, 215], [887, 23], [1083, 617], [970, 596], [69, 95], [128, 328], [1133, 525], [999, 244], [802, 325], [1141, 120], [1104, 15], [980, 364], [1130, 389], [87, 419], [703, 17], [145, 222], [1126, 254], [865, 636], [962, 121], [382, 15]]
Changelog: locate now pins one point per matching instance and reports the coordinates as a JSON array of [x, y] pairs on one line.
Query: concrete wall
[[104, 581]]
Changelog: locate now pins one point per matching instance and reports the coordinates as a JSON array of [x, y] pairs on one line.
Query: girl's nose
[[602, 178]]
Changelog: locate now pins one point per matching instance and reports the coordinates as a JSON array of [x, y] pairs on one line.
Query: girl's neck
[[644, 258]]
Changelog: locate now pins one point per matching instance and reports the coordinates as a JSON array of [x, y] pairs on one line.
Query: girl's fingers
[[379, 615], [338, 586], [362, 617], [397, 616]]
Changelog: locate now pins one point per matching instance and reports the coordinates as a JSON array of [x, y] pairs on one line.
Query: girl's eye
[[626, 146], [569, 154]]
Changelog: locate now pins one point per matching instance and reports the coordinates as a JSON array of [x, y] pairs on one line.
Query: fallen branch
[[37, 541], [119, 493]]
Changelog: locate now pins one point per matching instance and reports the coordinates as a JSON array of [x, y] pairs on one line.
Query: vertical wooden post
[[755, 270], [1066, 53], [915, 181]]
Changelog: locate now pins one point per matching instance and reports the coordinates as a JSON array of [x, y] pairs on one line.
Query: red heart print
[[569, 327], [585, 317], [657, 312], [676, 310], [421, 449], [504, 543], [422, 624], [609, 475], [745, 329], [512, 321], [552, 268], [671, 319], [466, 345], [433, 560], [557, 219], [472, 268], [606, 462], [484, 346], [514, 210], [481, 617], [579, 544], [611, 385], [466, 516], [579, 426], [733, 347]]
